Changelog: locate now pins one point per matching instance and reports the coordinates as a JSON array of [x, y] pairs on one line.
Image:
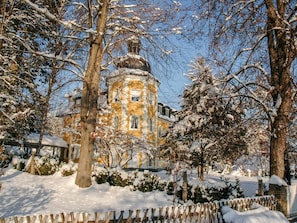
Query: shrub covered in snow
[[115, 177], [147, 182], [47, 165], [18, 163], [206, 193], [67, 169], [5, 159], [142, 181]]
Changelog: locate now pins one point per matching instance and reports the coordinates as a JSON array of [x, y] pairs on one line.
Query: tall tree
[[90, 92], [208, 124], [254, 42], [21, 30], [34, 50]]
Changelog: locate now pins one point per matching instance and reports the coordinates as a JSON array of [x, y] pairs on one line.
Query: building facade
[[129, 106]]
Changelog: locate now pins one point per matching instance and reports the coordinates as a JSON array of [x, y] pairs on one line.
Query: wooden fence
[[198, 213]]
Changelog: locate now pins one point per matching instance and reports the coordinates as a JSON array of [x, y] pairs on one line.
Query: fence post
[[280, 193], [260, 187]]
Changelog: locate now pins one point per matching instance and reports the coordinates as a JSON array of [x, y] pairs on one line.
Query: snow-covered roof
[[131, 71], [47, 140], [165, 117]]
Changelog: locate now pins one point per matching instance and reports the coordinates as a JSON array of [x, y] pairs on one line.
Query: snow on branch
[[50, 16]]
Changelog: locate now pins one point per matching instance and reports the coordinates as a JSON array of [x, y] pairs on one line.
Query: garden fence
[[198, 213]]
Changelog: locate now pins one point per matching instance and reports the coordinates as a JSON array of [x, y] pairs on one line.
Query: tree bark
[[281, 57], [89, 99], [2, 19]]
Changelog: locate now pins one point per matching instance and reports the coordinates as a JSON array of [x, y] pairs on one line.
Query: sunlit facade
[[129, 105]]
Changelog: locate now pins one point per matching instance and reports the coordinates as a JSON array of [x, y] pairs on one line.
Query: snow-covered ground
[[24, 194]]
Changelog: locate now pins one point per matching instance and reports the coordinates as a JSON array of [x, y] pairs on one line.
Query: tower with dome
[[132, 107]]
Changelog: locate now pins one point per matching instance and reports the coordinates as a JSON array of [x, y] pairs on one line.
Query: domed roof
[[133, 60]]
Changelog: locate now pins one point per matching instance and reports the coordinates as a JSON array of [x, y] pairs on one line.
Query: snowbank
[[258, 215]]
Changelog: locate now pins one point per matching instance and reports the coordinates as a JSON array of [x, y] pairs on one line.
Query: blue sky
[[172, 76]]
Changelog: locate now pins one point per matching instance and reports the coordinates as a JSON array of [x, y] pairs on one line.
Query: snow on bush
[[67, 169], [147, 182], [142, 181], [18, 163], [47, 165]]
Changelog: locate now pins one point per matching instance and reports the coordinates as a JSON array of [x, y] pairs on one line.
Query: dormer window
[[135, 95], [78, 101], [167, 112], [160, 107]]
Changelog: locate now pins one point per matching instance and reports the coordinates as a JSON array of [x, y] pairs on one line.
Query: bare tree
[[118, 147], [102, 26], [254, 44], [90, 92]]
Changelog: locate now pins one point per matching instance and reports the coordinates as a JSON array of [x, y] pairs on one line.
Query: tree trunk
[[89, 99], [278, 144], [281, 57], [45, 106], [2, 13], [201, 165]]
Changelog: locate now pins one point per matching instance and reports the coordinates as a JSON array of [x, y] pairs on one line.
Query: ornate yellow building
[[129, 105]]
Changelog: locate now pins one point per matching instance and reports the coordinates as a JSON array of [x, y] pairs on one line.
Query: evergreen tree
[[208, 126]]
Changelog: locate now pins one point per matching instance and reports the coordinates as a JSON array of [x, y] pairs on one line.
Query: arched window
[[134, 122], [151, 98], [151, 125], [116, 96]]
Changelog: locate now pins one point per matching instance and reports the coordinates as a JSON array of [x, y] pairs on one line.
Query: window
[[116, 96], [135, 95], [77, 101], [167, 112], [151, 125], [160, 132], [151, 98], [160, 108], [134, 122], [116, 122]]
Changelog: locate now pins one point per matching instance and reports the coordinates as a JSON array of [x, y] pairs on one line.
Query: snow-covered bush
[[47, 165], [68, 169], [101, 176], [5, 159], [144, 182], [147, 182], [18, 163], [115, 177], [170, 188], [205, 193]]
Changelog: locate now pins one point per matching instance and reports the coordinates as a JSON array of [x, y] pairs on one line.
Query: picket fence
[[198, 213]]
